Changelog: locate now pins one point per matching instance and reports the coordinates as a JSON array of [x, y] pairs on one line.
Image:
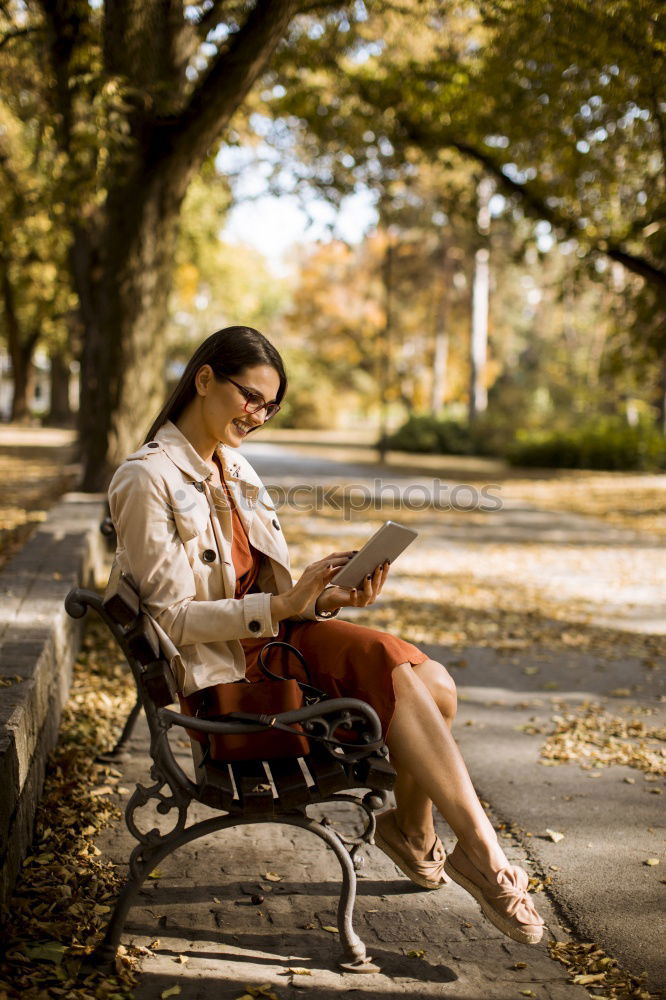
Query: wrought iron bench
[[276, 791]]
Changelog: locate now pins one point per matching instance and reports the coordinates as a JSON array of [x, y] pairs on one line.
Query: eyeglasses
[[253, 401]]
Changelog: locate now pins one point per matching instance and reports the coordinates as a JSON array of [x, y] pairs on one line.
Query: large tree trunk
[[123, 361], [23, 380], [60, 411], [20, 346]]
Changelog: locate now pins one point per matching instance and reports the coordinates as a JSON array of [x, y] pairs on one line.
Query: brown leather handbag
[[260, 702]]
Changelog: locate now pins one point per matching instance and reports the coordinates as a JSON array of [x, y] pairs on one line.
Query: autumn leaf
[[330, 929], [651, 862], [555, 836], [173, 991], [273, 877]]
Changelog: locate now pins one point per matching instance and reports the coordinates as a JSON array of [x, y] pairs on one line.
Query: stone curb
[[38, 645]]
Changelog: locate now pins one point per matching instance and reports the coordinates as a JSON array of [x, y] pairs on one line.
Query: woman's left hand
[[342, 597]]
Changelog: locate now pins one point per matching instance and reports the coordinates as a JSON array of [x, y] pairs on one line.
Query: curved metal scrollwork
[[177, 799]]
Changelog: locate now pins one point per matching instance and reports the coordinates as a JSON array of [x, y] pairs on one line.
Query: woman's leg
[[413, 806], [421, 744]]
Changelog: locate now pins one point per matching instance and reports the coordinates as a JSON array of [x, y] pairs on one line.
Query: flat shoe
[[503, 897], [427, 873]]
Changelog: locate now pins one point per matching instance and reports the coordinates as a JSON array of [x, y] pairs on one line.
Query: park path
[[536, 614]]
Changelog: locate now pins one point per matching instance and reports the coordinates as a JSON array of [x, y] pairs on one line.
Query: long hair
[[228, 352]]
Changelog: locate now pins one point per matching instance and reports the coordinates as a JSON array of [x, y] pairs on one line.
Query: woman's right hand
[[315, 577]]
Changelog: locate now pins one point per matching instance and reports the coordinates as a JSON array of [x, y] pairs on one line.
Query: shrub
[[609, 444], [427, 433]]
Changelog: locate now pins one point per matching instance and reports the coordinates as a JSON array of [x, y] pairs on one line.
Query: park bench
[[241, 792]]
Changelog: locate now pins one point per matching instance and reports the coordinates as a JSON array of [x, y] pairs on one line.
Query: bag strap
[[308, 688], [271, 722]]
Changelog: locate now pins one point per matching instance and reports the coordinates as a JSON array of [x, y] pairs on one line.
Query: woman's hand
[[342, 597], [315, 577]]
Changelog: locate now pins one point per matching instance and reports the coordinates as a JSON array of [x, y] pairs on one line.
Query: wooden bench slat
[[143, 641], [292, 788], [121, 600], [329, 774], [254, 790], [376, 773], [159, 683]]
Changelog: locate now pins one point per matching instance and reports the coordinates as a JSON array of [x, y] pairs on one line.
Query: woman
[[199, 537]]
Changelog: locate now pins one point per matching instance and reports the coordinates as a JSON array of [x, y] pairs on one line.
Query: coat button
[[153, 444], [208, 555], [254, 625], [199, 486], [275, 524]]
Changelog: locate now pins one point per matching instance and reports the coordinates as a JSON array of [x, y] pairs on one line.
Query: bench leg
[[146, 857], [125, 736], [354, 956]]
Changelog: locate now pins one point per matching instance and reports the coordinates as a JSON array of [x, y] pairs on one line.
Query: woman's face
[[223, 404]]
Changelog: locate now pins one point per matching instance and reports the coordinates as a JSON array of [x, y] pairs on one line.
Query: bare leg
[[413, 805], [421, 743]]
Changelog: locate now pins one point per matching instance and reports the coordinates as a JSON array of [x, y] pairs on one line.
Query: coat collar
[[189, 461]]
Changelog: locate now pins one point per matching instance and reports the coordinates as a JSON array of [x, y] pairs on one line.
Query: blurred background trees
[[510, 297]]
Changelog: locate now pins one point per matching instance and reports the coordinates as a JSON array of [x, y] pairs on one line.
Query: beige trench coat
[[174, 542]]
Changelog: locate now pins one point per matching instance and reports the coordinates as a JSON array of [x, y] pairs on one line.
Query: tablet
[[386, 544]]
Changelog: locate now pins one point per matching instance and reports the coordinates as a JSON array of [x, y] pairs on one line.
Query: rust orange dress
[[345, 660]]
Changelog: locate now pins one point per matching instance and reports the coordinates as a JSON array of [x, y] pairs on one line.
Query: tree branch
[[11, 35], [184, 141], [538, 207]]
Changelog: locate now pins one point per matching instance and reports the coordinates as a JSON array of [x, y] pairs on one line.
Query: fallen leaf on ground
[[416, 953], [555, 836], [173, 991], [273, 877], [651, 862], [330, 929], [296, 970]]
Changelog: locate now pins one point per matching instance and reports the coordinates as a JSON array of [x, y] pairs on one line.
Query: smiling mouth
[[241, 427]]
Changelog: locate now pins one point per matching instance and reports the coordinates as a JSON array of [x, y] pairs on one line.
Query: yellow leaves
[[296, 970], [253, 992], [273, 877], [595, 738], [416, 953], [651, 862], [173, 991], [66, 889], [330, 929], [590, 966]]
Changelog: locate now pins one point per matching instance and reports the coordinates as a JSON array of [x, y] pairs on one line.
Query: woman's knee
[[441, 686]]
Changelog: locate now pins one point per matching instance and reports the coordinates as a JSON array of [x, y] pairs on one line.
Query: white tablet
[[386, 544]]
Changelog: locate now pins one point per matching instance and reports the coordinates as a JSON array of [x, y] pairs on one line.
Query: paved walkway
[[205, 935], [584, 603]]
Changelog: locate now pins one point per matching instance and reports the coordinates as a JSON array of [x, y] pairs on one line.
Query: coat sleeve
[[151, 551]]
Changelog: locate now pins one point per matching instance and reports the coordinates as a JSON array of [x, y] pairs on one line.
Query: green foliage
[[608, 443], [425, 433]]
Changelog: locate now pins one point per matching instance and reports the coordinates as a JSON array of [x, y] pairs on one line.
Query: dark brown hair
[[228, 352]]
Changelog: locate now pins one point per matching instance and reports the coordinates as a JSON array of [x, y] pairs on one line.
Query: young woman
[[200, 538]]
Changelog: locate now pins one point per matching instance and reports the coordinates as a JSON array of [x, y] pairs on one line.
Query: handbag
[[261, 701]]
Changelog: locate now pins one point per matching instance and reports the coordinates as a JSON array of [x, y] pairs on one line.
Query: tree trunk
[[661, 402], [19, 346], [441, 359], [124, 313], [478, 395], [23, 380], [60, 412]]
